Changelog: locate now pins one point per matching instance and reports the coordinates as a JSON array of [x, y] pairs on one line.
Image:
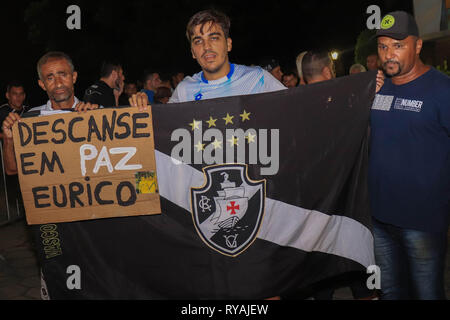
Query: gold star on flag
[[228, 119], [217, 144], [233, 141], [211, 122], [250, 137], [245, 115], [200, 146], [194, 125]]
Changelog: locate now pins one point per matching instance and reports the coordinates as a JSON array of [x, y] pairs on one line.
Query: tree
[[365, 45]]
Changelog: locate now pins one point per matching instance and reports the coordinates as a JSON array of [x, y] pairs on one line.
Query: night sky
[[151, 34]]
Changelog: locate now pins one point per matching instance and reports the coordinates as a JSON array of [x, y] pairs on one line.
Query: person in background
[[176, 79], [298, 62], [272, 66], [356, 68], [15, 94], [130, 88], [162, 95], [150, 83], [318, 66], [290, 79], [106, 91], [166, 83], [372, 61]]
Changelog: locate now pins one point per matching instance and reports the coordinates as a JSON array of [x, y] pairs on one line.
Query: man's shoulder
[[98, 87], [439, 78], [243, 70], [5, 107], [195, 79], [38, 108], [434, 84]]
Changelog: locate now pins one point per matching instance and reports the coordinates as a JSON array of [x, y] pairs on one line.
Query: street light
[[334, 55]]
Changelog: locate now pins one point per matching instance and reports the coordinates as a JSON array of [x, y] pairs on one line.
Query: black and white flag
[[261, 195]]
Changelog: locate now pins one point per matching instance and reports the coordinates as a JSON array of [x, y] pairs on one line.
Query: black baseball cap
[[269, 64], [398, 25]]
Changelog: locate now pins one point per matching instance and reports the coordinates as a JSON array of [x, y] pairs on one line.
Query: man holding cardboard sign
[[57, 77], [115, 167], [79, 167]]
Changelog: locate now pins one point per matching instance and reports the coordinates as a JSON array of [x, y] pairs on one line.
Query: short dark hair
[[313, 63], [211, 15], [15, 84], [148, 75], [162, 92], [53, 55], [292, 73], [108, 66]]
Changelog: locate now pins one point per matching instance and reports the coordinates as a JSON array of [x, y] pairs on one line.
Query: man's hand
[[380, 80], [8, 123], [118, 92], [85, 106], [139, 100]]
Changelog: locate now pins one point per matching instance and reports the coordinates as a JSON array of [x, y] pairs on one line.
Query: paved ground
[[19, 271]]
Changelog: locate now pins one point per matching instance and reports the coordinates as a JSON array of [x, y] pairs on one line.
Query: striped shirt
[[240, 80]]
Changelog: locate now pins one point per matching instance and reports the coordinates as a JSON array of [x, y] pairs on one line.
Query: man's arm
[[117, 93], [8, 143]]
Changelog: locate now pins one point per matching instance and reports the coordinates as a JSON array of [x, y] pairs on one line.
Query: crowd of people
[[409, 166]]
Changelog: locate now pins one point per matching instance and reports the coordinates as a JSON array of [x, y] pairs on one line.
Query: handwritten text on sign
[[98, 164]]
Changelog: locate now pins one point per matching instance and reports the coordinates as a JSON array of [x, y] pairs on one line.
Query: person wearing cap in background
[[272, 66], [409, 165]]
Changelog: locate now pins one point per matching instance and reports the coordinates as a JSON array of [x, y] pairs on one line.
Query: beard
[[215, 69], [388, 71], [60, 97]]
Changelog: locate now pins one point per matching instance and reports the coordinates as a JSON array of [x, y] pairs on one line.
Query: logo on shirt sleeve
[[198, 96], [382, 102]]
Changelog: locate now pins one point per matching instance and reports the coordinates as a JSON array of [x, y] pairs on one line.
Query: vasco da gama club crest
[[228, 210]]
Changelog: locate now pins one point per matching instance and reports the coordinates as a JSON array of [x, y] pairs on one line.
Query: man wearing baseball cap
[[272, 66], [409, 166]]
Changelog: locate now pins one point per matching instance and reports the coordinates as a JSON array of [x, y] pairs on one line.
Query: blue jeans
[[411, 262]]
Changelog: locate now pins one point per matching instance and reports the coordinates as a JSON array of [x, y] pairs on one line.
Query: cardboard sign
[[82, 166]]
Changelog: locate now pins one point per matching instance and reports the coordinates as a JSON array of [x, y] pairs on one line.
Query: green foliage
[[365, 45], [444, 68]]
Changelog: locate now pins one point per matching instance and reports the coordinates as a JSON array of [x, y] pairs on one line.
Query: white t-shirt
[[46, 109], [240, 80]]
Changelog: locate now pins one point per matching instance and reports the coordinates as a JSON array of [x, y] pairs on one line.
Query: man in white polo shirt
[[57, 77]]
